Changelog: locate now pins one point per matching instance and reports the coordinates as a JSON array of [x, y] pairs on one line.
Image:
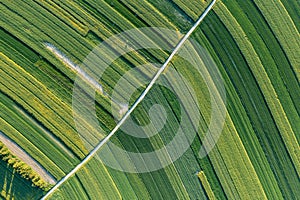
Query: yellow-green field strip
[[106, 139]]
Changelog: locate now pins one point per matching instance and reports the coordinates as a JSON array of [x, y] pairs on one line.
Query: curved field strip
[[219, 43], [86, 184], [89, 176], [284, 29], [130, 186], [18, 152], [134, 105], [222, 154], [63, 121], [46, 21], [266, 87], [173, 171], [54, 26], [106, 12], [104, 189], [278, 70], [17, 109], [257, 154], [163, 139], [293, 8], [287, 170], [238, 112], [222, 163], [206, 185], [71, 20], [20, 125], [50, 23], [13, 186], [149, 14], [202, 95], [42, 71], [283, 157], [51, 111], [33, 151], [55, 103]]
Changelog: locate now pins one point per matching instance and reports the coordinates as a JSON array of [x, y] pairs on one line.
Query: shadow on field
[[13, 186]]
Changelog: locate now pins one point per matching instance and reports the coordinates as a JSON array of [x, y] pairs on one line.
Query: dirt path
[[22, 155], [97, 86]]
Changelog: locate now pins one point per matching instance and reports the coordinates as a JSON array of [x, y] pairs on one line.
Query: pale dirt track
[[22, 155], [106, 139]]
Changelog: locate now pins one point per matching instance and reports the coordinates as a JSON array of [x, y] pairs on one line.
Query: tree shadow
[[13, 186]]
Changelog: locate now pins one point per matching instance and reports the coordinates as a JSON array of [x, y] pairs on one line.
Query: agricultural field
[[15, 186], [79, 119]]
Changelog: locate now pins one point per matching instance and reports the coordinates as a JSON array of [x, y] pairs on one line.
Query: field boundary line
[[141, 97]]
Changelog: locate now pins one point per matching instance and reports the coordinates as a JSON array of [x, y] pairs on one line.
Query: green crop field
[[47, 46], [13, 186]]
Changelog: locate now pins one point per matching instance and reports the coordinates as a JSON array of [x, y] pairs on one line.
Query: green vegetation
[[206, 185], [13, 186], [22, 168], [255, 45]]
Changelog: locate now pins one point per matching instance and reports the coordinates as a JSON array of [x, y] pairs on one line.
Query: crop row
[[221, 43], [40, 101], [56, 25], [56, 104], [210, 36], [172, 173], [22, 168], [226, 170], [54, 28], [13, 186], [26, 52], [284, 30], [151, 192], [59, 85], [42, 149], [269, 94], [206, 185], [65, 41], [58, 157], [224, 49], [293, 9], [277, 69], [109, 80], [65, 16], [124, 189], [80, 184], [256, 113], [245, 159], [148, 13], [170, 182]]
